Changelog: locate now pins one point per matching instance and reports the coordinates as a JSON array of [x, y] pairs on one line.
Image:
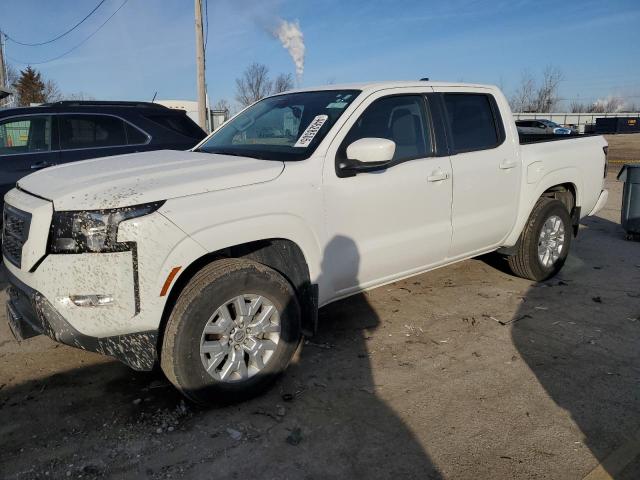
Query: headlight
[[93, 230]]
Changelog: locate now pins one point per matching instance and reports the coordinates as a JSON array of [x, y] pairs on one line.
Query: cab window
[[401, 119], [472, 123]]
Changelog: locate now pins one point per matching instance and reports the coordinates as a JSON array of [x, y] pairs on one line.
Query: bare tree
[[253, 85], [547, 93], [523, 100], [610, 104], [78, 96], [51, 92], [577, 106], [533, 97], [283, 82], [614, 104], [222, 105]]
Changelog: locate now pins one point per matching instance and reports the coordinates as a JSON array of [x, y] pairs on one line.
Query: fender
[[191, 250], [531, 194], [262, 227]]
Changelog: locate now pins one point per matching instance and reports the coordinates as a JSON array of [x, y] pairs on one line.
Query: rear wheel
[[233, 330], [544, 244]]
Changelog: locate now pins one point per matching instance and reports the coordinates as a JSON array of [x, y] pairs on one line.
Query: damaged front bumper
[[29, 314]]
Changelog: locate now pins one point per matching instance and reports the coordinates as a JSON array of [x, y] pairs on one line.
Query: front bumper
[[29, 314]]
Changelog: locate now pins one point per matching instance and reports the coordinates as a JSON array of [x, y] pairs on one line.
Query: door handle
[[38, 166], [506, 165], [437, 176]]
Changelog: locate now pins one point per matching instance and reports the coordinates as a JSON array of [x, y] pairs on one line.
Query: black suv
[[32, 138]]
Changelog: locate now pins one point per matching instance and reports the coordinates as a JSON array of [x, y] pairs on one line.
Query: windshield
[[284, 127]]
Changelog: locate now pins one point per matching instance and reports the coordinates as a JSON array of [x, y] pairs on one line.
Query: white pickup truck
[[214, 262]]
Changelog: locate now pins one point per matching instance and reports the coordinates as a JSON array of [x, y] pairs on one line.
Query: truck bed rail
[[528, 138]]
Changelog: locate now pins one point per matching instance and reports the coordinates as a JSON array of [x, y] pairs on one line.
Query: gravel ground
[[465, 372]]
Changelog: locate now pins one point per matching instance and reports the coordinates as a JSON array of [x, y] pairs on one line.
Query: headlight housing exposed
[[93, 231]]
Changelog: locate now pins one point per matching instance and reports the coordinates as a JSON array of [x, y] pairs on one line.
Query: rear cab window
[[474, 121]]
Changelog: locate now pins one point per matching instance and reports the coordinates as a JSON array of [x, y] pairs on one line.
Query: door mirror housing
[[371, 150], [368, 155]]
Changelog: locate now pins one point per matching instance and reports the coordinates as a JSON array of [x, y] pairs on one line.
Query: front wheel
[[544, 244], [233, 330]]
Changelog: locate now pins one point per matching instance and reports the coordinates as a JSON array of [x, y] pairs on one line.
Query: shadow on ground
[[584, 348], [322, 420]]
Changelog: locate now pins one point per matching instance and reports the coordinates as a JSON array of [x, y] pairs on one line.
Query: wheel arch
[[283, 255], [563, 185]]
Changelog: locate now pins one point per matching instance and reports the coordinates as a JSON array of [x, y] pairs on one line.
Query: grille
[[15, 231]]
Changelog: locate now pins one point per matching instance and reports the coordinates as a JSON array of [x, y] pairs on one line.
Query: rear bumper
[[602, 201], [29, 314]]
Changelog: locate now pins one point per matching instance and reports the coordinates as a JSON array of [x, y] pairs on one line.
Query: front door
[[391, 223]]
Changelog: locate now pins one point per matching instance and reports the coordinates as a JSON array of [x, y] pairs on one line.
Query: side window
[[471, 122], [25, 135], [91, 131], [402, 119], [134, 136]]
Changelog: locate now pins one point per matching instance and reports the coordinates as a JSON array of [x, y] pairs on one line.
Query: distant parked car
[[33, 138], [543, 127]]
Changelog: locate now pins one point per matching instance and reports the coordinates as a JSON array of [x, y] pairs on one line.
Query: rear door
[[486, 170], [27, 143], [84, 136]]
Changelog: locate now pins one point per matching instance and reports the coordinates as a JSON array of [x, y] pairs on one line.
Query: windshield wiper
[[234, 154]]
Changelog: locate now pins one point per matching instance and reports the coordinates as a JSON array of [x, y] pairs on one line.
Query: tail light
[[606, 160]]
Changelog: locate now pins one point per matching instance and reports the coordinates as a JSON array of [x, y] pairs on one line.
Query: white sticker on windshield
[[311, 131]]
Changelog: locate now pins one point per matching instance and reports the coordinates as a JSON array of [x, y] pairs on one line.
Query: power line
[[74, 48], [59, 36]]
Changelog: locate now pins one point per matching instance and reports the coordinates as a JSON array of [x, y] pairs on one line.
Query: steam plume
[[292, 39]]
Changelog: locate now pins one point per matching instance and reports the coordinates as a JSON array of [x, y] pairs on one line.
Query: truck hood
[[125, 180]]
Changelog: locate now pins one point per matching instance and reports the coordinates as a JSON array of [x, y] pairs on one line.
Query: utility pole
[[202, 94], [3, 69]]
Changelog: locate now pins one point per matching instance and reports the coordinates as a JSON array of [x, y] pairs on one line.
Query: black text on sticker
[[311, 131]]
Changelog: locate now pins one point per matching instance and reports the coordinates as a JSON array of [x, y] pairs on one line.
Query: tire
[[211, 298], [526, 263]]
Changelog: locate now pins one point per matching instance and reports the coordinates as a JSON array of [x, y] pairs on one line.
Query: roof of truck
[[372, 86]]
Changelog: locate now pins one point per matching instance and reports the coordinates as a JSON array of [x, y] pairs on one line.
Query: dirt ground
[[462, 373], [624, 148]]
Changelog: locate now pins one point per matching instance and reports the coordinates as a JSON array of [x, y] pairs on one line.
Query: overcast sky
[[148, 46]]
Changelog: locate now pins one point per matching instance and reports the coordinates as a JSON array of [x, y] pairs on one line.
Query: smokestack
[[292, 39]]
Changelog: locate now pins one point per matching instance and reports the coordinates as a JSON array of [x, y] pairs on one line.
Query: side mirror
[[368, 155]]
